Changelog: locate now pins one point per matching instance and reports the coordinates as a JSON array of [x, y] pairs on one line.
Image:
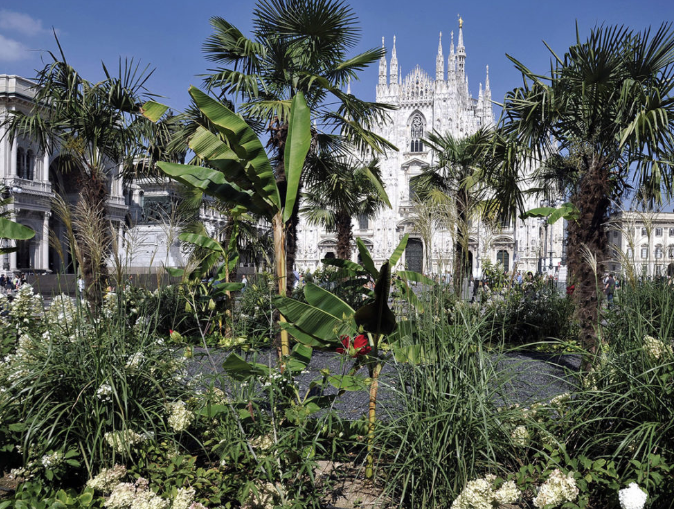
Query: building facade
[[424, 104], [140, 212], [642, 243]]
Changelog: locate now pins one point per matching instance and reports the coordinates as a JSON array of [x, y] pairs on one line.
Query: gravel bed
[[530, 377]]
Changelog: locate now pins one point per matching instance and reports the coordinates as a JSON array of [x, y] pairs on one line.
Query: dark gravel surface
[[530, 377]]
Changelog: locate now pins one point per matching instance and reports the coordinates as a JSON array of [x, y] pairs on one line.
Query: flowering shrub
[[656, 348], [179, 417]]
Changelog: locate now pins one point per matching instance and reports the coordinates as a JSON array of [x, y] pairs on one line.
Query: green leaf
[[302, 337], [328, 302], [377, 317], [312, 320], [11, 230], [398, 251], [296, 149], [239, 369], [366, 259], [245, 143], [352, 267], [173, 272], [410, 275], [153, 110], [347, 382], [202, 241]]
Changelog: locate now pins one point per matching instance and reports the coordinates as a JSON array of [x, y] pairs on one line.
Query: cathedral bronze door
[[414, 255]]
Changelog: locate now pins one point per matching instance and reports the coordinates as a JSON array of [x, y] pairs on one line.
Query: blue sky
[[168, 35]]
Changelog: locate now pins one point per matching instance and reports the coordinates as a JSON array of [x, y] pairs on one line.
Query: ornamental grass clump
[[79, 383]]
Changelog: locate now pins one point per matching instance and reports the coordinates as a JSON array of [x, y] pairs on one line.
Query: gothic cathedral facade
[[446, 105]]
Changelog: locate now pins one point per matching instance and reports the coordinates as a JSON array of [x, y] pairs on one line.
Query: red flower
[[570, 289], [359, 346]]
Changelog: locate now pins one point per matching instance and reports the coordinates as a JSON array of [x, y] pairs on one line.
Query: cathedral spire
[[486, 85], [440, 63], [394, 62], [382, 64], [460, 50]]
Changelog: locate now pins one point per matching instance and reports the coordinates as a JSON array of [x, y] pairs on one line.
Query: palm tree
[[340, 190], [608, 102], [297, 46], [458, 173], [94, 127]]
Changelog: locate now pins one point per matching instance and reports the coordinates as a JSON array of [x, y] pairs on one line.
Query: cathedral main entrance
[[414, 255]]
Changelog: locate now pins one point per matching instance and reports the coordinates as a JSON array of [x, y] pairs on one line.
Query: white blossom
[[179, 417], [632, 497], [558, 489], [184, 498], [107, 479]]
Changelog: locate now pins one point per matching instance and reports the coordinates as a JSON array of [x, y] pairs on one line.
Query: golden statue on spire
[[460, 21]]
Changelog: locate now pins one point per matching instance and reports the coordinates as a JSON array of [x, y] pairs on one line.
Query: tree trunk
[[588, 232], [94, 257], [344, 235], [280, 264], [460, 252]]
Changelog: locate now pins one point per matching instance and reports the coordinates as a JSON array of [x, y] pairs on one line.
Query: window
[[630, 253], [413, 191], [416, 134], [644, 252], [643, 232], [30, 165], [20, 163], [658, 232], [615, 234], [658, 252], [362, 221], [671, 232], [503, 258], [670, 252]]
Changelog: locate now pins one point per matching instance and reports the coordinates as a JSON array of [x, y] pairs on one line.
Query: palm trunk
[[593, 203], [344, 235], [94, 257], [460, 254]]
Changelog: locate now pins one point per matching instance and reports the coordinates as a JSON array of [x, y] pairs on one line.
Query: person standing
[[609, 289], [244, 280]]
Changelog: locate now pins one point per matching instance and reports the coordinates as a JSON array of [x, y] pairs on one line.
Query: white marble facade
[[444, 104]]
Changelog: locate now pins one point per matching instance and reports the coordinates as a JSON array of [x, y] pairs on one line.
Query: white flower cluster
[[26, 306], [134, 361], [632, 497], [104, 392], [264, 495], [480, 494], [121, 440], [561, 400], [179, 417], [520, 436], [109, 304], [558, 489], [52, 460], [136, 495], [107, 479], [62, 311], [183, 499], [656, 348], [263, 442]]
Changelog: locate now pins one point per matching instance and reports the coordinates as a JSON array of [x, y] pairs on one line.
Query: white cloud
[[22, 23], [11, 50]]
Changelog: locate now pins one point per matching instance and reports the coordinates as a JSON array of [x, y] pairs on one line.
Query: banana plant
[[239, 173], [9, 229]]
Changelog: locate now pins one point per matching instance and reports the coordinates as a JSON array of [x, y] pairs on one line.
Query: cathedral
[[446, 105]]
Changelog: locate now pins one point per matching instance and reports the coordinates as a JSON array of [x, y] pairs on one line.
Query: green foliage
[[72, 378], [35, 495]]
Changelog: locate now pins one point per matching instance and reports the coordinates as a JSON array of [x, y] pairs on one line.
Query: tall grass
[[445, 427]]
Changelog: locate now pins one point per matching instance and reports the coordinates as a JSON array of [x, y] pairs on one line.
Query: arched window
[[30, 165], [503, 258], [670, 252], [416, 134], [20, 163], [644, 252], [658, 252]]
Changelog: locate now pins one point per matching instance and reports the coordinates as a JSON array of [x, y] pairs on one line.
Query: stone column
[[45, 167], [44, 245]]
